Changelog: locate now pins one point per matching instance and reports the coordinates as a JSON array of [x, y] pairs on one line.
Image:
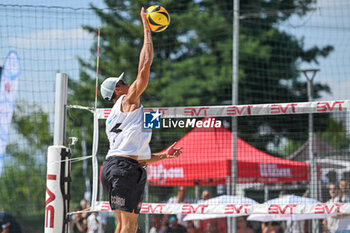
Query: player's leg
[[119, 221], [130, 216], [129, 222]]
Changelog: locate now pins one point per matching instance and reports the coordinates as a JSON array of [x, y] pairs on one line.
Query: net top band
[[245, 110]]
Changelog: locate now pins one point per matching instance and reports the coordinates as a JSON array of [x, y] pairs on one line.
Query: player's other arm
[[145, 62], [170, 153]]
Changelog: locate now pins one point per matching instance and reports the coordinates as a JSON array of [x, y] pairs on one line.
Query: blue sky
[[61, 3], [335, 71], [335, 15], [329, 24]]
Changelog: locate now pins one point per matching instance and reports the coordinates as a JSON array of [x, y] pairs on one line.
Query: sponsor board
[[234, 209]]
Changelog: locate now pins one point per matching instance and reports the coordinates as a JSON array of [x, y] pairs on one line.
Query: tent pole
[[266, 192], [196, 192]]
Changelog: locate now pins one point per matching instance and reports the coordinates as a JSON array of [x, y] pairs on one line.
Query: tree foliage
[[193, 57], [24, 173], [193, 62]]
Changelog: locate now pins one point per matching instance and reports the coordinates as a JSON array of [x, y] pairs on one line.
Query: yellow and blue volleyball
[[158, 18]]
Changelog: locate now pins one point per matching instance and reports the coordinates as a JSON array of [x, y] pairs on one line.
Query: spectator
[[79, 223], [330, 224], [220, 224], [158, 224], [211, 227], [265, 227], [179, 198], [9, 224], [191, 227], [243, 225], [84, 204], [271, 227], [202, 224], [205, 195], [276, 227], [175, 227], [344, 191], [96, 223], [340, 222], [300, 226]]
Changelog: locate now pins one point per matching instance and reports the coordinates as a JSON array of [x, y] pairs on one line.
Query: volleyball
[[158, 18]]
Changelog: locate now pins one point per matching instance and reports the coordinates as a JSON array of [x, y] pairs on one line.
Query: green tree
[[193, 62], [24, 172]]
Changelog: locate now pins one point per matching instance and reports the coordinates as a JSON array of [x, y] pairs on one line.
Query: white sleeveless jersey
[[126, 134]]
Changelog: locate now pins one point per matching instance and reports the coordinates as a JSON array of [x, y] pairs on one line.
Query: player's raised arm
[[145, 62]]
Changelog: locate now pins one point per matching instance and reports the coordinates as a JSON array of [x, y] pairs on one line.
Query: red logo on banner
[[232, 209], [105, 206], [189, 209], [193, 112], [50, 210], [278, 108], [326, 107], [235, 110], [323, 208], [148, 208], [276, 209], [106, 112]]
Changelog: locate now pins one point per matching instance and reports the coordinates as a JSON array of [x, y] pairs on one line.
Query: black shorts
[[123, 180]]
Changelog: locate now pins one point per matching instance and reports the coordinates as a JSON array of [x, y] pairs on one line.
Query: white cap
[[107, 87]]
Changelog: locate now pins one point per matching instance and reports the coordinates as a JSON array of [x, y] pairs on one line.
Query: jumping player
[[123, 175]]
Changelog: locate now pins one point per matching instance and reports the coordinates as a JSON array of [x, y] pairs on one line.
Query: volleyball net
[[271, 150], [193, 66]]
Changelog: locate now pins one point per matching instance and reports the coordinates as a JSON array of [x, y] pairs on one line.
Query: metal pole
[[313, 181], [60, 109], [235, 57]]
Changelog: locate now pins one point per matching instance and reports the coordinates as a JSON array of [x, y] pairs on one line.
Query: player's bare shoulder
[[128, 106]]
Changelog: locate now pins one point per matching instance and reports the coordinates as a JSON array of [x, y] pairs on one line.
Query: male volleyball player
[[123, 175]]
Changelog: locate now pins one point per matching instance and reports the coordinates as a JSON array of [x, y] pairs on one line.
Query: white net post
[[60, 109], [95, 169], [58, 166]]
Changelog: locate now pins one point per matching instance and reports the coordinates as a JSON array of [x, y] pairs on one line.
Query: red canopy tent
[[207, 158]]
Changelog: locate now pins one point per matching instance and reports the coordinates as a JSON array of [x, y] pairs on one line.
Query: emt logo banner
[[151, 120]]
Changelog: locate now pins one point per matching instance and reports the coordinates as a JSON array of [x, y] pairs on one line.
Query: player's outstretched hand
[[144, 20], [172, 152]]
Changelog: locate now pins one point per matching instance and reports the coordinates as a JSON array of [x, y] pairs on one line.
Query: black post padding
[[65, 181]]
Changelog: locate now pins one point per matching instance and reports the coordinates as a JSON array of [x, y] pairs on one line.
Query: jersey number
[[116, 129]]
